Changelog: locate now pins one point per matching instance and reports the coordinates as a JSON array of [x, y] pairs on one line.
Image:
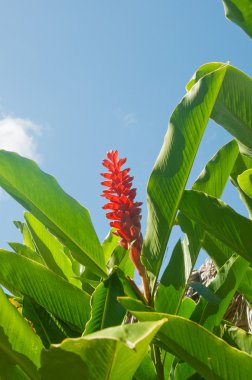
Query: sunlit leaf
[[109, 354], [19, 345], [44, 198]]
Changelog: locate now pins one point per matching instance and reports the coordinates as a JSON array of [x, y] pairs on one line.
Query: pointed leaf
[[105, 309], [51, 250], [237, 337], [18, 343], [109, 245], [220, 220], [240, 12], [245, 182], [212, 180], [27, 252], [173, 165], [232, 109], [224, 287], [44, 198], [241, 165], [220, 253], [209, 355], [46, 288], [109, 354], [173, 281]]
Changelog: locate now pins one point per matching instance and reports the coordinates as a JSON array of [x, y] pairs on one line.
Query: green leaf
[[133, 304], [109, 245], [220, 220], [44, 198], [209, 355], [51, 250], [232, 109], [18, 343], [242, 164], [46, 288], [187, 307], [105, 309], [220, 253], [245, 182], [212, 180], [27, 252], [240, 12], [223, 287], [129, 286], [173, 165], [183, 371], [146, 370], [120, 258], [49, 329], [110, 354], [237, 337], [173, 281]]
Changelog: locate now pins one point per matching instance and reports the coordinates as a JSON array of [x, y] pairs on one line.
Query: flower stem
[[146, 287]]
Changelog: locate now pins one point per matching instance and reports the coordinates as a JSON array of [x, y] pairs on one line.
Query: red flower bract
[[125, 214]]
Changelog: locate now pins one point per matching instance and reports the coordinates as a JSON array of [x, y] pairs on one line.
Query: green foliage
[[109, 354], [19, 345], [240, 12], [71, 303], [209, 355]]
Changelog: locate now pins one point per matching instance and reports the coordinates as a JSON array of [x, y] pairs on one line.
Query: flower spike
[[125, 213]]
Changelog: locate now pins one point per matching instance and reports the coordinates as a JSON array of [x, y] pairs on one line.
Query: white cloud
[[20, 136]]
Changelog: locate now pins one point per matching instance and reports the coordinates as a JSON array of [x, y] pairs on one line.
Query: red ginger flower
[[125, 212]]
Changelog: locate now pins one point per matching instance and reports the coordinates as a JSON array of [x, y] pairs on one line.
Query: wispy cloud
[[127, 119], [20, 136]]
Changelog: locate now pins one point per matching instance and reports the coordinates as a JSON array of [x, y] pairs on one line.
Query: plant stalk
[[157, 362]]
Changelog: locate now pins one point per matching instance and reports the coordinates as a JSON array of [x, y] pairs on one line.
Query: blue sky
[[78, 78]]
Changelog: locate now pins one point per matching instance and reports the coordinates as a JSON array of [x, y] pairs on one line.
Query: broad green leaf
[[49, 329], [242, 164], [232, 109], [105, 309], [46, 288], [224, 286], [146, 370], [120, 258], [129, 286], [212, 180], [173, 281], [133, 304], [209, 355], [237, 337], [173, 165], [220, 220], [19, 345], [44, 198], [23, 250], [110, 354], [183, 371], [220, 253], [187, 307], [245, 182], [109, 245], [240, 12], [51, 250], [11, 372]]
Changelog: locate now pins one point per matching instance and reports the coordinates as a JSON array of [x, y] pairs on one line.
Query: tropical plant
[[70, 308]]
